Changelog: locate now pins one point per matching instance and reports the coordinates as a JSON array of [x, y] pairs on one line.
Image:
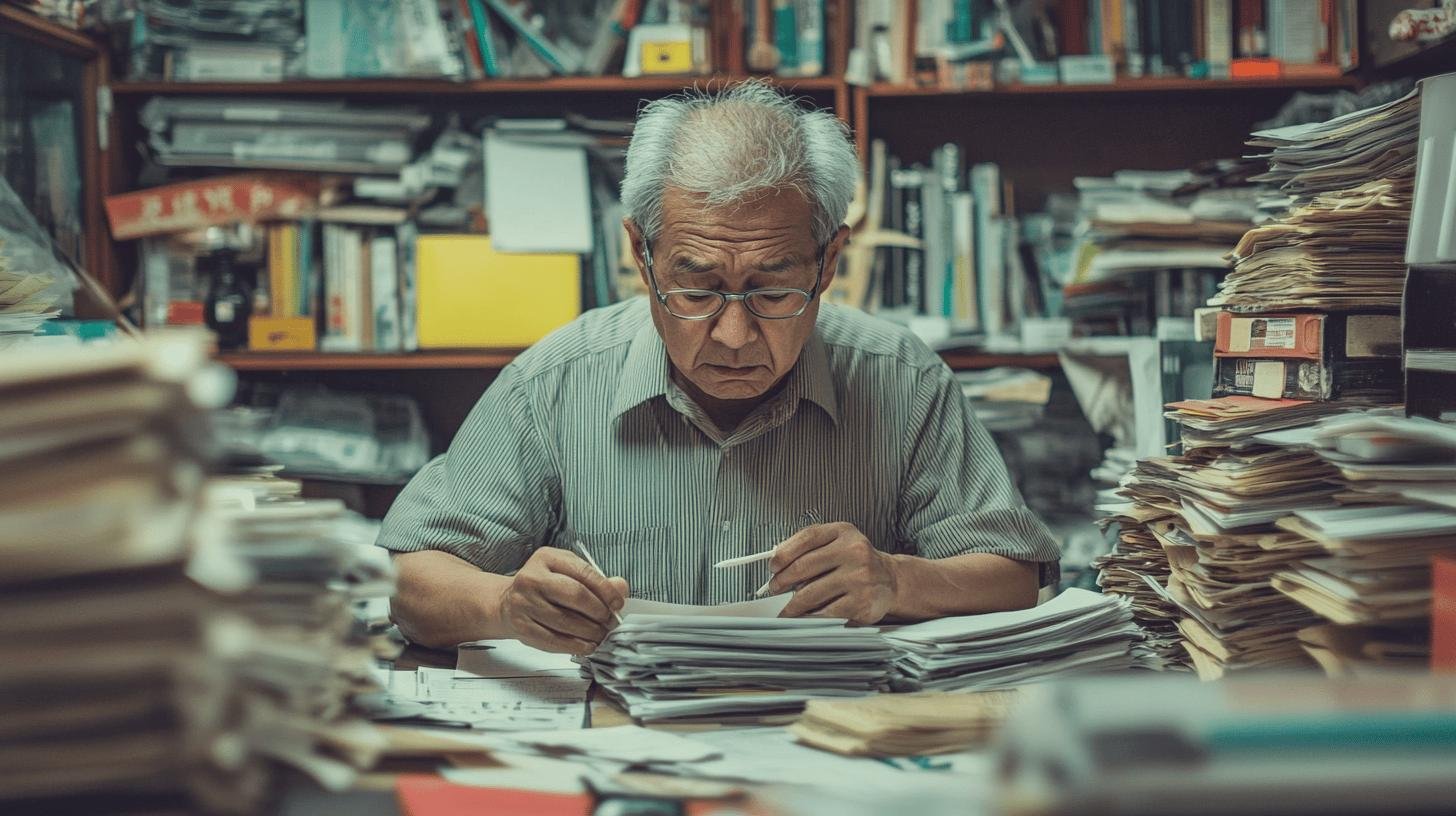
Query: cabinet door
[[50, 141]]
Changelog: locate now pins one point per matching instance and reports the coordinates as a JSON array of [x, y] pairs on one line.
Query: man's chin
[[733, 389]]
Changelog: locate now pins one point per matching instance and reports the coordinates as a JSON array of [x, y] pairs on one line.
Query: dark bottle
[[229, 298]]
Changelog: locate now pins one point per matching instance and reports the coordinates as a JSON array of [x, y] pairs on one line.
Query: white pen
[[744, 559], [592, 562]]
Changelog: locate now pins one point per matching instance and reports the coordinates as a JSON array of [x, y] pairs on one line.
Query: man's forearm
[[967, 584], [442, 600]]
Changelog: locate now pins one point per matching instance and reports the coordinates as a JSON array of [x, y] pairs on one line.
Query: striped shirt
[[585, 437]]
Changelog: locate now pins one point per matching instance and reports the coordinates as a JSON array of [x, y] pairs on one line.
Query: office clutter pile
[[1076, 631], [165, 634], [683, 666], [904, 725], [1211, 548], [33, 284]]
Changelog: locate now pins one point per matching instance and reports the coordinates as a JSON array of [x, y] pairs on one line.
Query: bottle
[[229, 298]]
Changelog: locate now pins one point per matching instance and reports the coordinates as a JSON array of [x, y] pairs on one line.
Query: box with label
[[1308, 356]]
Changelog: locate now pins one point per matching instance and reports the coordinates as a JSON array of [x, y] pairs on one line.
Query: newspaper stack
[[1126, 570], [1366, 572], [1078, 631], [1346, 187], [687, 665], [156, 643]]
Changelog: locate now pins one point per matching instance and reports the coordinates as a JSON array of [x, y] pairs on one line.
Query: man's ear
[[634, 234], [832, 251]]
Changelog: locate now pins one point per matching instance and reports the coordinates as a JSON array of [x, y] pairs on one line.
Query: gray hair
[[727, 144]]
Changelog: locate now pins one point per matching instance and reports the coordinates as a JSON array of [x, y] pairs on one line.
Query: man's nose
[[735, 326]]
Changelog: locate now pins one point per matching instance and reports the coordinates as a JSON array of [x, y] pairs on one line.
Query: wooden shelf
[[494, 359], [35, 27], [320, 361], [401, 86], [1122, 86]]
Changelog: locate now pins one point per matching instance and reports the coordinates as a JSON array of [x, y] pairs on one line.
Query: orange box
[[282, 334], [1443, 613], [1256, 68]]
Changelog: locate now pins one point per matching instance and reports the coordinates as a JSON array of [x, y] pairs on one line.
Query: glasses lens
[[777, 302], [693, 303]]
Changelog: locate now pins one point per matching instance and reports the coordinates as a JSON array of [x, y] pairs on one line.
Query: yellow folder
[[471, 296]]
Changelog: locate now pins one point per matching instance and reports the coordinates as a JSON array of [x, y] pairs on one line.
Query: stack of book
[[975, 44]]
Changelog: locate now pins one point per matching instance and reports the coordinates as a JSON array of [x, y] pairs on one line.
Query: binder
[[471, 296], [1308, 356]]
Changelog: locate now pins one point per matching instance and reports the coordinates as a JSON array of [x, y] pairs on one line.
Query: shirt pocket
[[642, 556]]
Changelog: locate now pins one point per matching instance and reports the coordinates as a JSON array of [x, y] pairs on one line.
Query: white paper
[[624, 743], [538, 196], [769, 607], [508, 658]]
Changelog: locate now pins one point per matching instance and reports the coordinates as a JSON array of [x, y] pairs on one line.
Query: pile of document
[[164, 634], [103, 627], [1006, 399], [1263, 743], [278, 134], [904, 724], [734, 662], [26, 300], [1078, 631], [1365, 569], [1198, 531], [235, 42], [1344, 193]]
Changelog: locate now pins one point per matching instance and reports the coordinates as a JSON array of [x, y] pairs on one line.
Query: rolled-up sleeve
[[491, 498], [957, 497]]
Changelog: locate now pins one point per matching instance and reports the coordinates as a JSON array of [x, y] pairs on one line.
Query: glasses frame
[[725, 297]]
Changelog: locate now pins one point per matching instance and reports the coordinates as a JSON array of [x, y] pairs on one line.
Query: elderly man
[[729, 414]]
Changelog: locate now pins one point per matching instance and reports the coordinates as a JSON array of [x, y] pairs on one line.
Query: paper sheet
[[537, 195], [508, 658], [631, 744], [769, 607]]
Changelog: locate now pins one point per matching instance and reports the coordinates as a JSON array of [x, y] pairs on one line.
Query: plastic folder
[[471, 296]]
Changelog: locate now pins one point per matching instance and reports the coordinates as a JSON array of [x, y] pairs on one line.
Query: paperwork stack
[[667, 662], [904, 724], [1367, 570], [1344, 191], [159, 644], [1136, 559], [104, 630], [1198, 531], [1078, 631]]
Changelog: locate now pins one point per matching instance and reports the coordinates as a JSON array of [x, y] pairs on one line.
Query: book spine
[[810, 47], [1132, 38], [785, 37], [407, 236], [384, 278], [1218, 37], [909, 294]]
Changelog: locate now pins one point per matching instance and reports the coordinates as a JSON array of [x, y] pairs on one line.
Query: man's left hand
[[835, 572]]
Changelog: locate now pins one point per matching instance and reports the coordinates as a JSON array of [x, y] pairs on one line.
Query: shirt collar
[[645, 374]]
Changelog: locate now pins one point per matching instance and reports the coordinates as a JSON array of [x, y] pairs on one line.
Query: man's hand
[[558, 603], [835, 573]]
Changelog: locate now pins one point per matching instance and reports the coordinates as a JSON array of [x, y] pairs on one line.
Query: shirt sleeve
[[490, 499], [957, 497]]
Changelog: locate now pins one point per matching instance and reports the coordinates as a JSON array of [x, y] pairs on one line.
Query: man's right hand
[[558, 603]]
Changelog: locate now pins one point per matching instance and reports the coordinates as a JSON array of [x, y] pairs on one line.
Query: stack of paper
[[163, 638], [1198, 532], [26, 300], [735, 662], [1076, 631], [1339, 243], [1136, 560], [1366, 569], [904, 724]]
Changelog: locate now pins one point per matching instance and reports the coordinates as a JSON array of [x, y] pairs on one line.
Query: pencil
[[592, 562]]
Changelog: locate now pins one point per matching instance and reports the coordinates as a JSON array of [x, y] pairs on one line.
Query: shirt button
[[725, 525]]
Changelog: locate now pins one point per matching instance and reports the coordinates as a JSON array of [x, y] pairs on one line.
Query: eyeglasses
[[769, 302]]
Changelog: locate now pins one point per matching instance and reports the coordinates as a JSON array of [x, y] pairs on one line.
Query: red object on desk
[[1443, 613], [424, 795]]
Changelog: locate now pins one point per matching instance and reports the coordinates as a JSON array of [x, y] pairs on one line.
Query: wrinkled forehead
[[772, 222]]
